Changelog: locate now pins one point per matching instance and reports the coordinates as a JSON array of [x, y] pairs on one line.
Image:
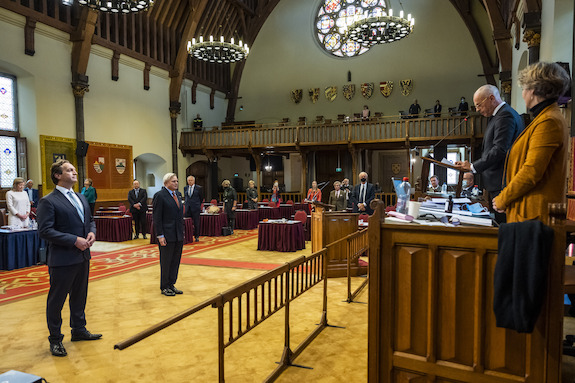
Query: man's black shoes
[[57, 349], [175, 290], [168, 292], [85, 335]]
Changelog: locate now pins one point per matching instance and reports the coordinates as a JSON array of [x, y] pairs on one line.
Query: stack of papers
[[436, 207]]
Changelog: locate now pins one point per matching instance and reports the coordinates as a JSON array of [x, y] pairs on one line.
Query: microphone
[[451, 131]]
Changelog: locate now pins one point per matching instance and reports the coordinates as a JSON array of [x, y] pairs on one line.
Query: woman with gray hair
[[535, 168], [230, 199], [18, 205]]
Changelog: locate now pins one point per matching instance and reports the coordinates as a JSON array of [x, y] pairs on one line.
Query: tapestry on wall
[[110, 168], [53, 149]]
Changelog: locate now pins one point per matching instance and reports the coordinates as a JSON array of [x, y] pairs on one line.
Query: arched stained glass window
[[333, 18], [8, 124]]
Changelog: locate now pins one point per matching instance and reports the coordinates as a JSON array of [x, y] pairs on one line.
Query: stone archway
[[200, 170]]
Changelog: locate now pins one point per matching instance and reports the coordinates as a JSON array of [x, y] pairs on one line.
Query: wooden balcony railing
[[361, 132]]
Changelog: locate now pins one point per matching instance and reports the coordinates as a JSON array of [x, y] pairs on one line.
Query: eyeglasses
[[481, 102]]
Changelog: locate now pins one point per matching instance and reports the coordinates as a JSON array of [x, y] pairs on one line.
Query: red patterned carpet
[[31, 281]]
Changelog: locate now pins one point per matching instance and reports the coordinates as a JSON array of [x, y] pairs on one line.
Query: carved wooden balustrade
[[382, 130]]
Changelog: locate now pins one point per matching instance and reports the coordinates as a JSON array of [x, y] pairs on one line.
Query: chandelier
[[115, 6], [218, 51], [382, 29]]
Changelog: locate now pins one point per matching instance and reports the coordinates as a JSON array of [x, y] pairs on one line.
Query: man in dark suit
[[32, 193], [362, 195], [194, 195], [168, 218], [337, 197], [138, 199], [65, 222], [503, 127]]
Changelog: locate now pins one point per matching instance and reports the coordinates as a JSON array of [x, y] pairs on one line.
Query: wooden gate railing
[[357, 245]]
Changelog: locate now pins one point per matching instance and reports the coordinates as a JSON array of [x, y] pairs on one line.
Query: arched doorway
[[200, 170]]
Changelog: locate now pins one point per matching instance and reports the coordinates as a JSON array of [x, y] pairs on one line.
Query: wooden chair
[[265, 200], [404, 115], [364, 217], [429, 112], [301, 216], [289, 202], [214, 202]]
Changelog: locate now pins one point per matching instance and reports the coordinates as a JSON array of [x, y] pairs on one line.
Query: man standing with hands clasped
[[138, 199], [503, 127], [168, 217], [194, 195], [66, 223], [362, 195]]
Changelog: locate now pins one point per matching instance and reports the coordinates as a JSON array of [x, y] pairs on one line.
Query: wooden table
[[18, 249], [284, 237], [113, 229]]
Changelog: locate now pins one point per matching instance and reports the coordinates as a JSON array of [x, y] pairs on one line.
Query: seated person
[[434, 184], [467, 185]]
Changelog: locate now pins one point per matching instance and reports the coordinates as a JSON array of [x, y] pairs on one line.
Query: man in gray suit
[[337, 197], [66, 223], [503, 127]]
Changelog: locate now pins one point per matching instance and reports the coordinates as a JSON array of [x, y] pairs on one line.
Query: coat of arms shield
[[406, 86], [349, 91], [99, 165], [367, 89], [395, 168], [331, 93], [313, 94], [120, 165], [386, 87], [296, 95]]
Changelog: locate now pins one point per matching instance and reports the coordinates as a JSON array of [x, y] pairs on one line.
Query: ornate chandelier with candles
[[218, 51], [371, 29], [114, 6]]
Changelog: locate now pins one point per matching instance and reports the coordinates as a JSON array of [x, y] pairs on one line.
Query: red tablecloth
[[246, 219], [268, 212], [302, 206], [212, 224], [106, 213], [113, 229], [287, 211], [188, 235], [281, 236], [307, 227]]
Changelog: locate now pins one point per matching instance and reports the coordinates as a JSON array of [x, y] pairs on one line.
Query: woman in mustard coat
[[535, 168]]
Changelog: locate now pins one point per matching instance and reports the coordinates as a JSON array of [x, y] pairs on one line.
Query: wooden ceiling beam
[[244, 8], [501, 34], [82, 40]]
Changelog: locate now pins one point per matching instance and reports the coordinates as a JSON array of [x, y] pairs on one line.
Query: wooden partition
[[431, 309]]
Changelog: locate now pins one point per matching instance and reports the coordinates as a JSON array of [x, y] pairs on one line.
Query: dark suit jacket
[[142, 198], [369, 196], [167, 216], [502, 130], [59, 224], [194, 203], [340, 203], [35, 196]]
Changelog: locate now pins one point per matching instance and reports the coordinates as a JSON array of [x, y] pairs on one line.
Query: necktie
[[76, 205], [136, 190], [176, 199], [362, 193], [190, 191], [337, 194]]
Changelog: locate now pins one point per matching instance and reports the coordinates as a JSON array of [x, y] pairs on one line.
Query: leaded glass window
[[8, 103], [333, 18], [8, 161]]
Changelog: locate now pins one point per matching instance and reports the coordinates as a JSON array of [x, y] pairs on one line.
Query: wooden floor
[[122, 305]]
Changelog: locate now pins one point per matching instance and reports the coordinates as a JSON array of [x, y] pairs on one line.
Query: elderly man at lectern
[[362, 195]]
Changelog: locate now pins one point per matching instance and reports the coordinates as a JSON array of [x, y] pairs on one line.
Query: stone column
[[79, 88], [175, 108]]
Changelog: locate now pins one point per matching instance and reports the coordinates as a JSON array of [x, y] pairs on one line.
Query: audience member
[[463, 107], [535, 167], [503, 127], [194, 198], [434, 184], [198, 123], [414, 109], [168, 218], [90, 193], [276, 197], [346, 187], [32, 193], [66, 224], [467, 185], [252, 195], [366, 113], [18, 204], [313, 194], [138, 200], [437, 109], [230, 199], [337, 197], [362, 195]]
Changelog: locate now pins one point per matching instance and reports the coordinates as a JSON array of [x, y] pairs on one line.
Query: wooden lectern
[[328, 227]]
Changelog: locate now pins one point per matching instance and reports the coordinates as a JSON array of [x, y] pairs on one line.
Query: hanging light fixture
[[376, 26], [114, 6], [218, 51], [268, 167]]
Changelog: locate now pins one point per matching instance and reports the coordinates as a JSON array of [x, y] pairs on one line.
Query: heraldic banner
[[54, 149], [110, 168]]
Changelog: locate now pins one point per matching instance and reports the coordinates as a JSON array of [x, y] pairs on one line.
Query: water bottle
[[475, 192], [444, 188], [403, 193]]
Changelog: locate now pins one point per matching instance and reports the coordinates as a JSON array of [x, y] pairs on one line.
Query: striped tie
[[76, 205]]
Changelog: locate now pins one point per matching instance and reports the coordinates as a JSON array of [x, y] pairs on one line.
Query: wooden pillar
[[367, 167], [303, 181], [352, 151], [175, 108], [79, 88], [258, 161]]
